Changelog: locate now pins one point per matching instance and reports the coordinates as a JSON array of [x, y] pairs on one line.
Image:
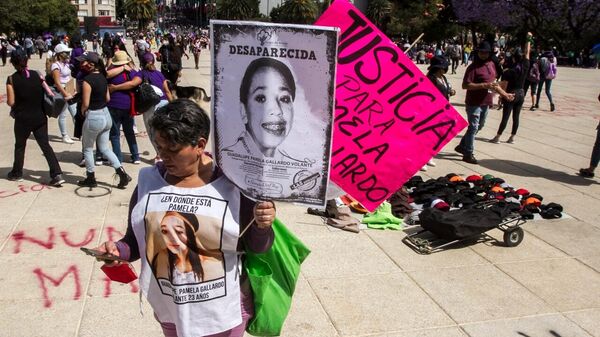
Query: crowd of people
[[98, 87]]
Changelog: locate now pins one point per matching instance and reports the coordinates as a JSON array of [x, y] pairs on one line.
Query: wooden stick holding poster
[[273, 87], [389, 118]]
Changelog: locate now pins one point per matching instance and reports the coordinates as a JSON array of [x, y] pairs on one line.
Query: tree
[[565, 24], [120, 10], [237, 9], [37, 16], [297, 11], [142, 11], [378, 11]]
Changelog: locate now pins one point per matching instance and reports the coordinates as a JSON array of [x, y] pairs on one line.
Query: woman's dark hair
[[265, 62], [18, 58], [181, 122], [193, 255], [100, 67]]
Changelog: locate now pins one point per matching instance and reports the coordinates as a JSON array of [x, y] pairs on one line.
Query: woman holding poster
[[267, 94], [183, 210]]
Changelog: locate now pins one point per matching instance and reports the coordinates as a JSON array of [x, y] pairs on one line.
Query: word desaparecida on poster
[[273, 96]]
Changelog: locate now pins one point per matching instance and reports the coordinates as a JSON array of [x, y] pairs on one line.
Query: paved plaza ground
[[366, 284]]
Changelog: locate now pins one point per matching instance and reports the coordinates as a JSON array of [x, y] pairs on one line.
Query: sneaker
[[99, 162], [67, 139], [57, 181], [424, 168], [532, 108], [459, 149], [552, 107], [511, 140], [495, 140], [469, 158], [537, 106], [431, 163], [81, 163], [13, 177], [136, 161]]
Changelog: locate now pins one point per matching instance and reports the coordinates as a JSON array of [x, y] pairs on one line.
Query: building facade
[[95, 8]]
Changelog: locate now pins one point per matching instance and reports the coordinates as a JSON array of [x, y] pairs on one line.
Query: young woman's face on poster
[[172, 229], [270, 108]]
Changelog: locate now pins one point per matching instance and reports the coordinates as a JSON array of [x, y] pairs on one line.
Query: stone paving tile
[[126, 321], [27, 318], [591, 261], [574, 237], [377, 304], [391, 243], [566, 284], [545, 325], [307, 317], [445, 332], [344, 254], [478, 293], [588, 320], [67, 234], [531, 248]]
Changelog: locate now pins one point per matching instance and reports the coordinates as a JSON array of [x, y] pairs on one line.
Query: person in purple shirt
[[122, 80], [158, 80]]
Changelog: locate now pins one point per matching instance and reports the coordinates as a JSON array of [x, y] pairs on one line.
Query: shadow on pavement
[[529, 170]]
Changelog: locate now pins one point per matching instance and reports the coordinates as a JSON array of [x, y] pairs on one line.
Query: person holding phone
[[231, 224]]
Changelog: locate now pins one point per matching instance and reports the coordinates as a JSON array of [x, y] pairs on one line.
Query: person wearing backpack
[[455, 54], [547, 65]]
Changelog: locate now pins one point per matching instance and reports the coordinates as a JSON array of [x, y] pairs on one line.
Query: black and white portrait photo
[[273, 99]]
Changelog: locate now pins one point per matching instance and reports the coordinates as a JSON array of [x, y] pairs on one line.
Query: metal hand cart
[[426, 242]]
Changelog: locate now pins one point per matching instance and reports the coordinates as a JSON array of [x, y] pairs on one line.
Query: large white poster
[[273, 97]]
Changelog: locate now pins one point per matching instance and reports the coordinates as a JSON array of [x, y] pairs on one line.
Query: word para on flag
[[389, 118]]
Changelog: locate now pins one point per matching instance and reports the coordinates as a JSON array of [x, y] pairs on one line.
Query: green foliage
[[142, 11], [37, 16], [237, 9], [378, 11], [296, 11], [120, 9]]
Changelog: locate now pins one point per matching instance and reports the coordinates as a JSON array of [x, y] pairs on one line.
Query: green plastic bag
[[273, 277]]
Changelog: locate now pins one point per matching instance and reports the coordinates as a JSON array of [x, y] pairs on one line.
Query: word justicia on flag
[[389, 118]]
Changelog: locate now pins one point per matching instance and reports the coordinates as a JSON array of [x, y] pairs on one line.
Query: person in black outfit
[[170, 58], [25, 95], [513, 79], [436, 74]]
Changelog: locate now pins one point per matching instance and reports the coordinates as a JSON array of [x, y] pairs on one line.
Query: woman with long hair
[[513, 79], [98, 122], [25, 94], [61, 76], [178, 231]]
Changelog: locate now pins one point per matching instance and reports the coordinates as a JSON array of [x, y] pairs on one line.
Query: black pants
[[3, 54], [513, 107], [455, 64], [40, 132]]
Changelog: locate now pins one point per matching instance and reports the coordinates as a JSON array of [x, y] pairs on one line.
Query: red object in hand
[[122, 272]]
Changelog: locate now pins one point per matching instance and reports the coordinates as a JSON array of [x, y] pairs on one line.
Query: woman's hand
[[112, 88], [111, 248], [264, 214]]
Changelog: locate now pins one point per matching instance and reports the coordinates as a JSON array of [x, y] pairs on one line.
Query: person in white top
[[61, 75]]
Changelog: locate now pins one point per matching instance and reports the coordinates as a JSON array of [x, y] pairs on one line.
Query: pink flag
[[389, 118]]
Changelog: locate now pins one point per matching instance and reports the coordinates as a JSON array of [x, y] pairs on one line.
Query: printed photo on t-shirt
[[184, 246]]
